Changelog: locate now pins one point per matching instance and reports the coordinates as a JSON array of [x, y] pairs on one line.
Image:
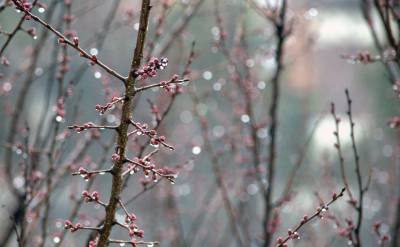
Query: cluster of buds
[[293, 234], [155, 141], [171, 85], [382, 237], [145, 163], [73, 228], [347, 232], [93, 59], [27, 6], [84, 173], [135, 232], [61, 41], [94, 196], [143, 129], [102, 109], [168, 173], [129, 218], [83, 127], [394, 122], [350, 226], [93, 243], [116, 157], [31, 31], [363, 57], [150, 169], [4, 61], [150, 69], [75, 40], [320, 210], [280, 242], [396, 87]]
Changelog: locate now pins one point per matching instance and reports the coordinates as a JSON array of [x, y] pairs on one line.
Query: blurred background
[[316, 71]]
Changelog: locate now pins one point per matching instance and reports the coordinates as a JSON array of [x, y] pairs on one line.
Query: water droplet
[[139, 133], [312, 12], [218, 131], [94, 51], [154, 145], [217, 86], [97, 75], [261, 85], [252, 189], [245, 118], [122, 244], [18, 182], [262, 133], [7, 86], [38, 71], [196, 150], [215, 31], [136, 26], [41, 10], [102, 173], [35, 37], [207, 75], [56, 240], [59, 118], [150, 245]]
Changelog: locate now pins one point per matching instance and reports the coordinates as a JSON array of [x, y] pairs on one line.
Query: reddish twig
[[293, 234]]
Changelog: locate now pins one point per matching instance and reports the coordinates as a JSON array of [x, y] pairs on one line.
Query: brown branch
[[64, 40], [159, 84], [280, 33], [11, 35], [293, 234], [361, 190], [338, 147], [122, 138]]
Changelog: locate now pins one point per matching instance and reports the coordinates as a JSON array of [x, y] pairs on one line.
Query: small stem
[[160, 84], [65, 40]]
